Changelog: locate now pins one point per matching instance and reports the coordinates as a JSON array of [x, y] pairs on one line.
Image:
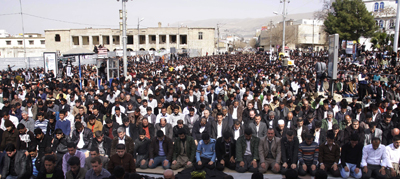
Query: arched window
[[381, 6], [376, 7], [391, 25], [381, 23]]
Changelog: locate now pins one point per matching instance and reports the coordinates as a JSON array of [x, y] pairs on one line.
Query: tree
[[253, 43], [381, 41], [350, 19]]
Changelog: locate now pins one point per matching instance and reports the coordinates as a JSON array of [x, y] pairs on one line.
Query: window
[[57, 38], [130, 39], [200, 35], [381, 6], [42, 42], [31, 42], [19, 42], [376, 7], [391, 25], [75, 40], [8, 42], [381, 23]]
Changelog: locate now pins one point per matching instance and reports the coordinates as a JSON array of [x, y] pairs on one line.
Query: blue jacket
[[65, 126], [206, 151]]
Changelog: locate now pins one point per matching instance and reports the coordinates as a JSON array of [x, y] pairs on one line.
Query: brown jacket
[[239, 111], [329, 156], [167, 146], [129, 145], [263, 149], [98, 126], [75, 110], [126, 162], [8, 137]]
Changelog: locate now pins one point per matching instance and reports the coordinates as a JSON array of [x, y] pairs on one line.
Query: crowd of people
[[243, 112]]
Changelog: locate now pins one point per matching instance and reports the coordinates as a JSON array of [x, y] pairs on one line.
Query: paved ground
[[157, 172]]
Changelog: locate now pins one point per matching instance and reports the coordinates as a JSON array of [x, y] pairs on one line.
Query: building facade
[[13, 46], [304, 34], [384, 12], [146, 39]]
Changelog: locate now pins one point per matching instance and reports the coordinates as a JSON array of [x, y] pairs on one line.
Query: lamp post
[[396, 34], [138, 32]]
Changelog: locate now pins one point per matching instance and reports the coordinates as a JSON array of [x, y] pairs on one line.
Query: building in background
[[198, 39], [13, 46], [304, 34]]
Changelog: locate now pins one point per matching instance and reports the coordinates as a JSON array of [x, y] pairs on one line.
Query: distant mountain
[[242, 27]]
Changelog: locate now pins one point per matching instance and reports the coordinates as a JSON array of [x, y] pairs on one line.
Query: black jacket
[[22, 166], [106, 144], [220, 149], [196, 130], [106, 130], [214, 128], [60, 145], [57, 174], [175, 131], [87, 138], [289, 150]]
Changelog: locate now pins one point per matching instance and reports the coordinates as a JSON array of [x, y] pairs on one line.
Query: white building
[[301, 34], [146, 39], [13, 46]]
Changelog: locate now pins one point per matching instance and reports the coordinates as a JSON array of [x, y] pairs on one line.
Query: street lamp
[[138, 33]]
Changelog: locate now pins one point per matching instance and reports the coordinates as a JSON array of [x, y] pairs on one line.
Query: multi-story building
[[146, 39], [13, 46], [384, 12], [300, 34]]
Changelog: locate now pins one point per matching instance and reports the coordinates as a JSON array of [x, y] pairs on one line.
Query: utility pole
[[218, 38], [23, 34], [124, 38], [270, 40], [284, 25], [396, 34], [313, 45]]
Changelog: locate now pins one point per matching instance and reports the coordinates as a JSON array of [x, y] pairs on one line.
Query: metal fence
[[37, 62]]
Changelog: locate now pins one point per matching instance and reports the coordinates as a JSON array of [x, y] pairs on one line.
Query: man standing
[[270, 152], [320, 68], [329, 155], [308, 156], [351, 158], [393, 157], [225, 149], [205, 153], [247, 156], [374, 160], [362, 82], [97, 171], [184, 151]]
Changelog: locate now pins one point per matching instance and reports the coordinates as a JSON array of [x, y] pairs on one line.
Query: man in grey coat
[[371, 133], [15, 164], [259, 128], [165, 127]]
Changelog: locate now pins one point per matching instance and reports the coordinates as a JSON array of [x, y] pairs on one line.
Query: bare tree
[[253, 43]]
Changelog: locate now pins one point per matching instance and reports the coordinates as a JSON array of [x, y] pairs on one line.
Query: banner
[[50, 62]]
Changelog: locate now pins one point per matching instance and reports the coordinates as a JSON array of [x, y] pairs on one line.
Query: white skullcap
[[281, 122]]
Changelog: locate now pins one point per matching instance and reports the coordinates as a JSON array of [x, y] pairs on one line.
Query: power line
[[57, 20], [9, 14]]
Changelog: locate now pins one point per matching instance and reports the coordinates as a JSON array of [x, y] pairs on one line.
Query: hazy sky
[[104, 13]]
